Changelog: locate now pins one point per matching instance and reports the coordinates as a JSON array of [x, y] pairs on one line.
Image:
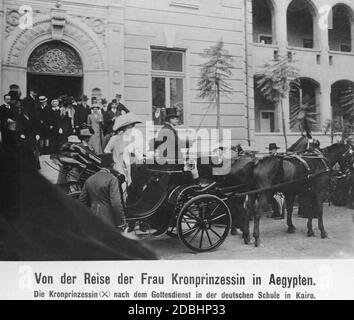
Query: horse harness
[[303, 160]]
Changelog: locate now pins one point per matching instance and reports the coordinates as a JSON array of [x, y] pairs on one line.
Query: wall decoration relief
[[55, 58]]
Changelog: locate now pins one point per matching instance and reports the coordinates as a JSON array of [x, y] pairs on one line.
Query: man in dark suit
[[55, 130], [7, 123], [168, 145], [31, 103], [43, 117], [102, 194], [82, 111]]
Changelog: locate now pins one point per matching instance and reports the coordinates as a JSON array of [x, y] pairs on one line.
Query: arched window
[[340, 29], [263, 22], [301, 17], [304, 99]]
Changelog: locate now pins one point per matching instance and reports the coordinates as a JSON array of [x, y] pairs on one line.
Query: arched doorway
[[55, 69]]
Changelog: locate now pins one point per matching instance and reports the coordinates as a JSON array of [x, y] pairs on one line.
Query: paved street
[[277, 244]]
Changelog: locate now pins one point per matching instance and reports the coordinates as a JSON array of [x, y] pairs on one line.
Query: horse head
[[336, 153]]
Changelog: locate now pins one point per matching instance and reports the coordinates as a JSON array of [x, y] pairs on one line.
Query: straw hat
[[85, 133], [125, 120], [74, 139], [43, 99]]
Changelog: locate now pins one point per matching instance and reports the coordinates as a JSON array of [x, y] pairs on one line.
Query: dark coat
[[55, 138], [31, 105], [43, 120], [108, 121], [101, 193], [39, 223], [81, 115], [7, 135], [26, 127], [66, 122], [54, 120]]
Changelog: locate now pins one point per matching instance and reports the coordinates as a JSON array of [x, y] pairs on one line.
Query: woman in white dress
[[122, 145]]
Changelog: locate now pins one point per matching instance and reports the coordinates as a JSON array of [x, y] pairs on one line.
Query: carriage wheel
[[204, 223]]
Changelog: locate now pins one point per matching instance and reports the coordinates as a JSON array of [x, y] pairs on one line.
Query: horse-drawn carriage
[[166, 199]]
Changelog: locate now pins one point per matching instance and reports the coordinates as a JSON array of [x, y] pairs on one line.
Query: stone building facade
[[149, 51], [319, 36]]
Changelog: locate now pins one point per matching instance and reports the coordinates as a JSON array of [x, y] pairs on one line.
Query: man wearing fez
[[168, 145]]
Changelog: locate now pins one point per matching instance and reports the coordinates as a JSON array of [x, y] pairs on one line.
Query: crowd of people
[[36, 126]]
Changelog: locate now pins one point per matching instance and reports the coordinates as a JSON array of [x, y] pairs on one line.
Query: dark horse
[[238, 174], [293, 178]]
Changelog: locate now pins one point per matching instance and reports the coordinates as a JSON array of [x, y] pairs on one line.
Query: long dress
[[95, 122], [123, 151]]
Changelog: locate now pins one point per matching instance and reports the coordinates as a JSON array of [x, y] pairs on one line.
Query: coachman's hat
[[106, 159], [273, 146], [172, 113]]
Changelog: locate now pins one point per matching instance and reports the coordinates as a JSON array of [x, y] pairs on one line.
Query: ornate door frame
[[20, 44]]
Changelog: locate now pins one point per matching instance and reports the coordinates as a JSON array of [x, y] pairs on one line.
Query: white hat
[[125, 120], [74, 139]]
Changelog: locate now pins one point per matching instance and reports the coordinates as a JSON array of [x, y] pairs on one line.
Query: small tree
[[343, 119], [213, 77], [274, 81], [303, 114]]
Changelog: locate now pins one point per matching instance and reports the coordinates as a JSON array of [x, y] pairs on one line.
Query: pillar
[[325, 102], [281, 29], [115, 54]]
